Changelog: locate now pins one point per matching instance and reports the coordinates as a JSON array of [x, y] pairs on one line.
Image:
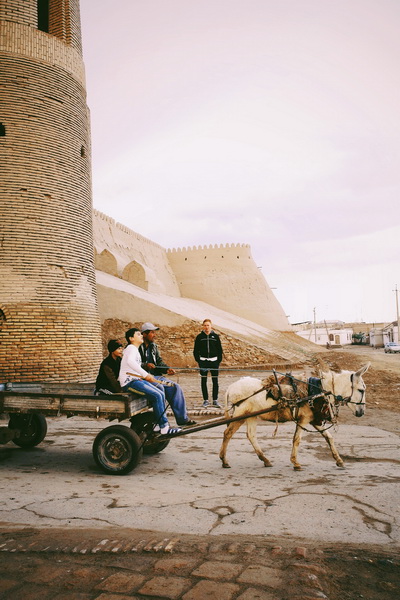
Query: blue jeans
[[176, 399], [156, 397]]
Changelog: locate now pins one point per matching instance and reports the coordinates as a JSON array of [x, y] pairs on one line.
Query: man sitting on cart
[[133, 378], [154, 364]]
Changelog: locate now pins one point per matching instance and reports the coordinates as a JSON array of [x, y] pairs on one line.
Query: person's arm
[[112, 382], [134, 367], [161, 367], [219, 348], [145, 365], [196, 350]]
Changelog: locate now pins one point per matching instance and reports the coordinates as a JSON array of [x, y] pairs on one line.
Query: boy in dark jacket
[[208, 355], [107, 379]]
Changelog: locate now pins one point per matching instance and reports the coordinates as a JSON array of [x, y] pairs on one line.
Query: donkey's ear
[[362, 370]]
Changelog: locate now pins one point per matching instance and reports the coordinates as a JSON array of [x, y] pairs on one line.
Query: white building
[[324, 336]]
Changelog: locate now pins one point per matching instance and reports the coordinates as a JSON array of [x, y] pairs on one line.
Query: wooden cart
[[117, 449]]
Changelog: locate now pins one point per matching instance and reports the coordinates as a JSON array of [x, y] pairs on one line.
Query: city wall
[[224, 276]]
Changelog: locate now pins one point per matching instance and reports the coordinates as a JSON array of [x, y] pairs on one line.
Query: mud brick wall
[[49, 324]]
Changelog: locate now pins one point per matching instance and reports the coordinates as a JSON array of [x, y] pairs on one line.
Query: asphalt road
[[184, 490]]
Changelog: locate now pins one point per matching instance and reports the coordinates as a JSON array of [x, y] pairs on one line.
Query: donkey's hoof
[[267, 464], [340, 464], [297, 468], [226, 466]]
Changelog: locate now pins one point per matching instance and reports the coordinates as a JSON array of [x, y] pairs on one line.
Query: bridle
[[347, 400]]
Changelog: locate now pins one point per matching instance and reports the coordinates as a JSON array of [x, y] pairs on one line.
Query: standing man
[[134, 378], [154, 364], [208, 355], [107, 379]]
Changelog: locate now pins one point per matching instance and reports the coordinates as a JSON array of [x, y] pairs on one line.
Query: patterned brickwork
[[63, 18], [19, 12], [49, 325], [17, 39]]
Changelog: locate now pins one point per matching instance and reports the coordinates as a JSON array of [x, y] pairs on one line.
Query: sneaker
[[189, 422], [216, 404], [205, 403]]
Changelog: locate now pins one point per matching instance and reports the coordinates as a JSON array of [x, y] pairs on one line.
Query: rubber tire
[[33, 429], [151, 447], [117, 450], [143, 423]]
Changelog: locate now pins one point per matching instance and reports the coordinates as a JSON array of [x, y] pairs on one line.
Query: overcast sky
[[269, 122]]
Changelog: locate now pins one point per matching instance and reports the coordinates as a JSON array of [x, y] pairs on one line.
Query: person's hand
[[150, 366], [171, 372]]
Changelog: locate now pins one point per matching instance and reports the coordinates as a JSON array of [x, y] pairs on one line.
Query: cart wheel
[[117, 449], [151, 447], [143, 423], [32, 429]]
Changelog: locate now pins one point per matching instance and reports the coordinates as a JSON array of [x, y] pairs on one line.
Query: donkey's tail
[[226, 409]]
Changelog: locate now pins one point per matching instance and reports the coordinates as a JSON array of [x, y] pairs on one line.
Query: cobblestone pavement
[[84, 565]]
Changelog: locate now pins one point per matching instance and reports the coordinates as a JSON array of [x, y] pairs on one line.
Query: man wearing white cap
[[154, 364]]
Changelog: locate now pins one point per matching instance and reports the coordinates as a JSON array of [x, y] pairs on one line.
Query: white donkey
[[249, 395]]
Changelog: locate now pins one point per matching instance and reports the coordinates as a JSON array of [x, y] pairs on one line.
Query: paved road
[[184, 490]]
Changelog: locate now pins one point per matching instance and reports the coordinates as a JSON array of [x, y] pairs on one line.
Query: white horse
[[249, 395]]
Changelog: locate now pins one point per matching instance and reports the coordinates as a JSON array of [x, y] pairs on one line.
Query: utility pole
[[397, 313], [315, 325]]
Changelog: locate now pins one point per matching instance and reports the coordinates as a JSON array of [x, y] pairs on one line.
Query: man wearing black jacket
[[154, 364], [208, 355]]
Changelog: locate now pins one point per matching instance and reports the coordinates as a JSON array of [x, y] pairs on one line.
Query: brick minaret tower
[[49, 324]]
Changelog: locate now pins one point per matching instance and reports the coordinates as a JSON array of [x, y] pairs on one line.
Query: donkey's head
[[349, 387]]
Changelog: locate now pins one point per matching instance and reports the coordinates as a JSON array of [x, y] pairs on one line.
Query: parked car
[[392, 347]]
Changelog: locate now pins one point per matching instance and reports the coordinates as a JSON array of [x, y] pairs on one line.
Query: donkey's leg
[[329, 438], [252, 437], [295, 446], [228, 433]]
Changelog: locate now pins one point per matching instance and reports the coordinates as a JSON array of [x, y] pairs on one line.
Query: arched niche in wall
[[135, 273], [106, 262]]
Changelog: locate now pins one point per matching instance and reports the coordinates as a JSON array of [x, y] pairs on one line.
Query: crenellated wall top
[[98, 214], [209, 247]]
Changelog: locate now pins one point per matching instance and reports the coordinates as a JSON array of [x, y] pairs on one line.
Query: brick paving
[[78, 564], [49, 564]]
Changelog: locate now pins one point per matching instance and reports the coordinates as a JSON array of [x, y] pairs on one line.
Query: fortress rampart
[[124, 253], [224, 276], [228, 278], [49, 323]]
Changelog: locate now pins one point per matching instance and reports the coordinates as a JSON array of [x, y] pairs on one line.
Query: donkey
[[283, 397]]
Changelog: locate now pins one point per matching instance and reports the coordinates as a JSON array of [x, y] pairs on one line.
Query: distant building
[[390, 333], [332, 333]]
